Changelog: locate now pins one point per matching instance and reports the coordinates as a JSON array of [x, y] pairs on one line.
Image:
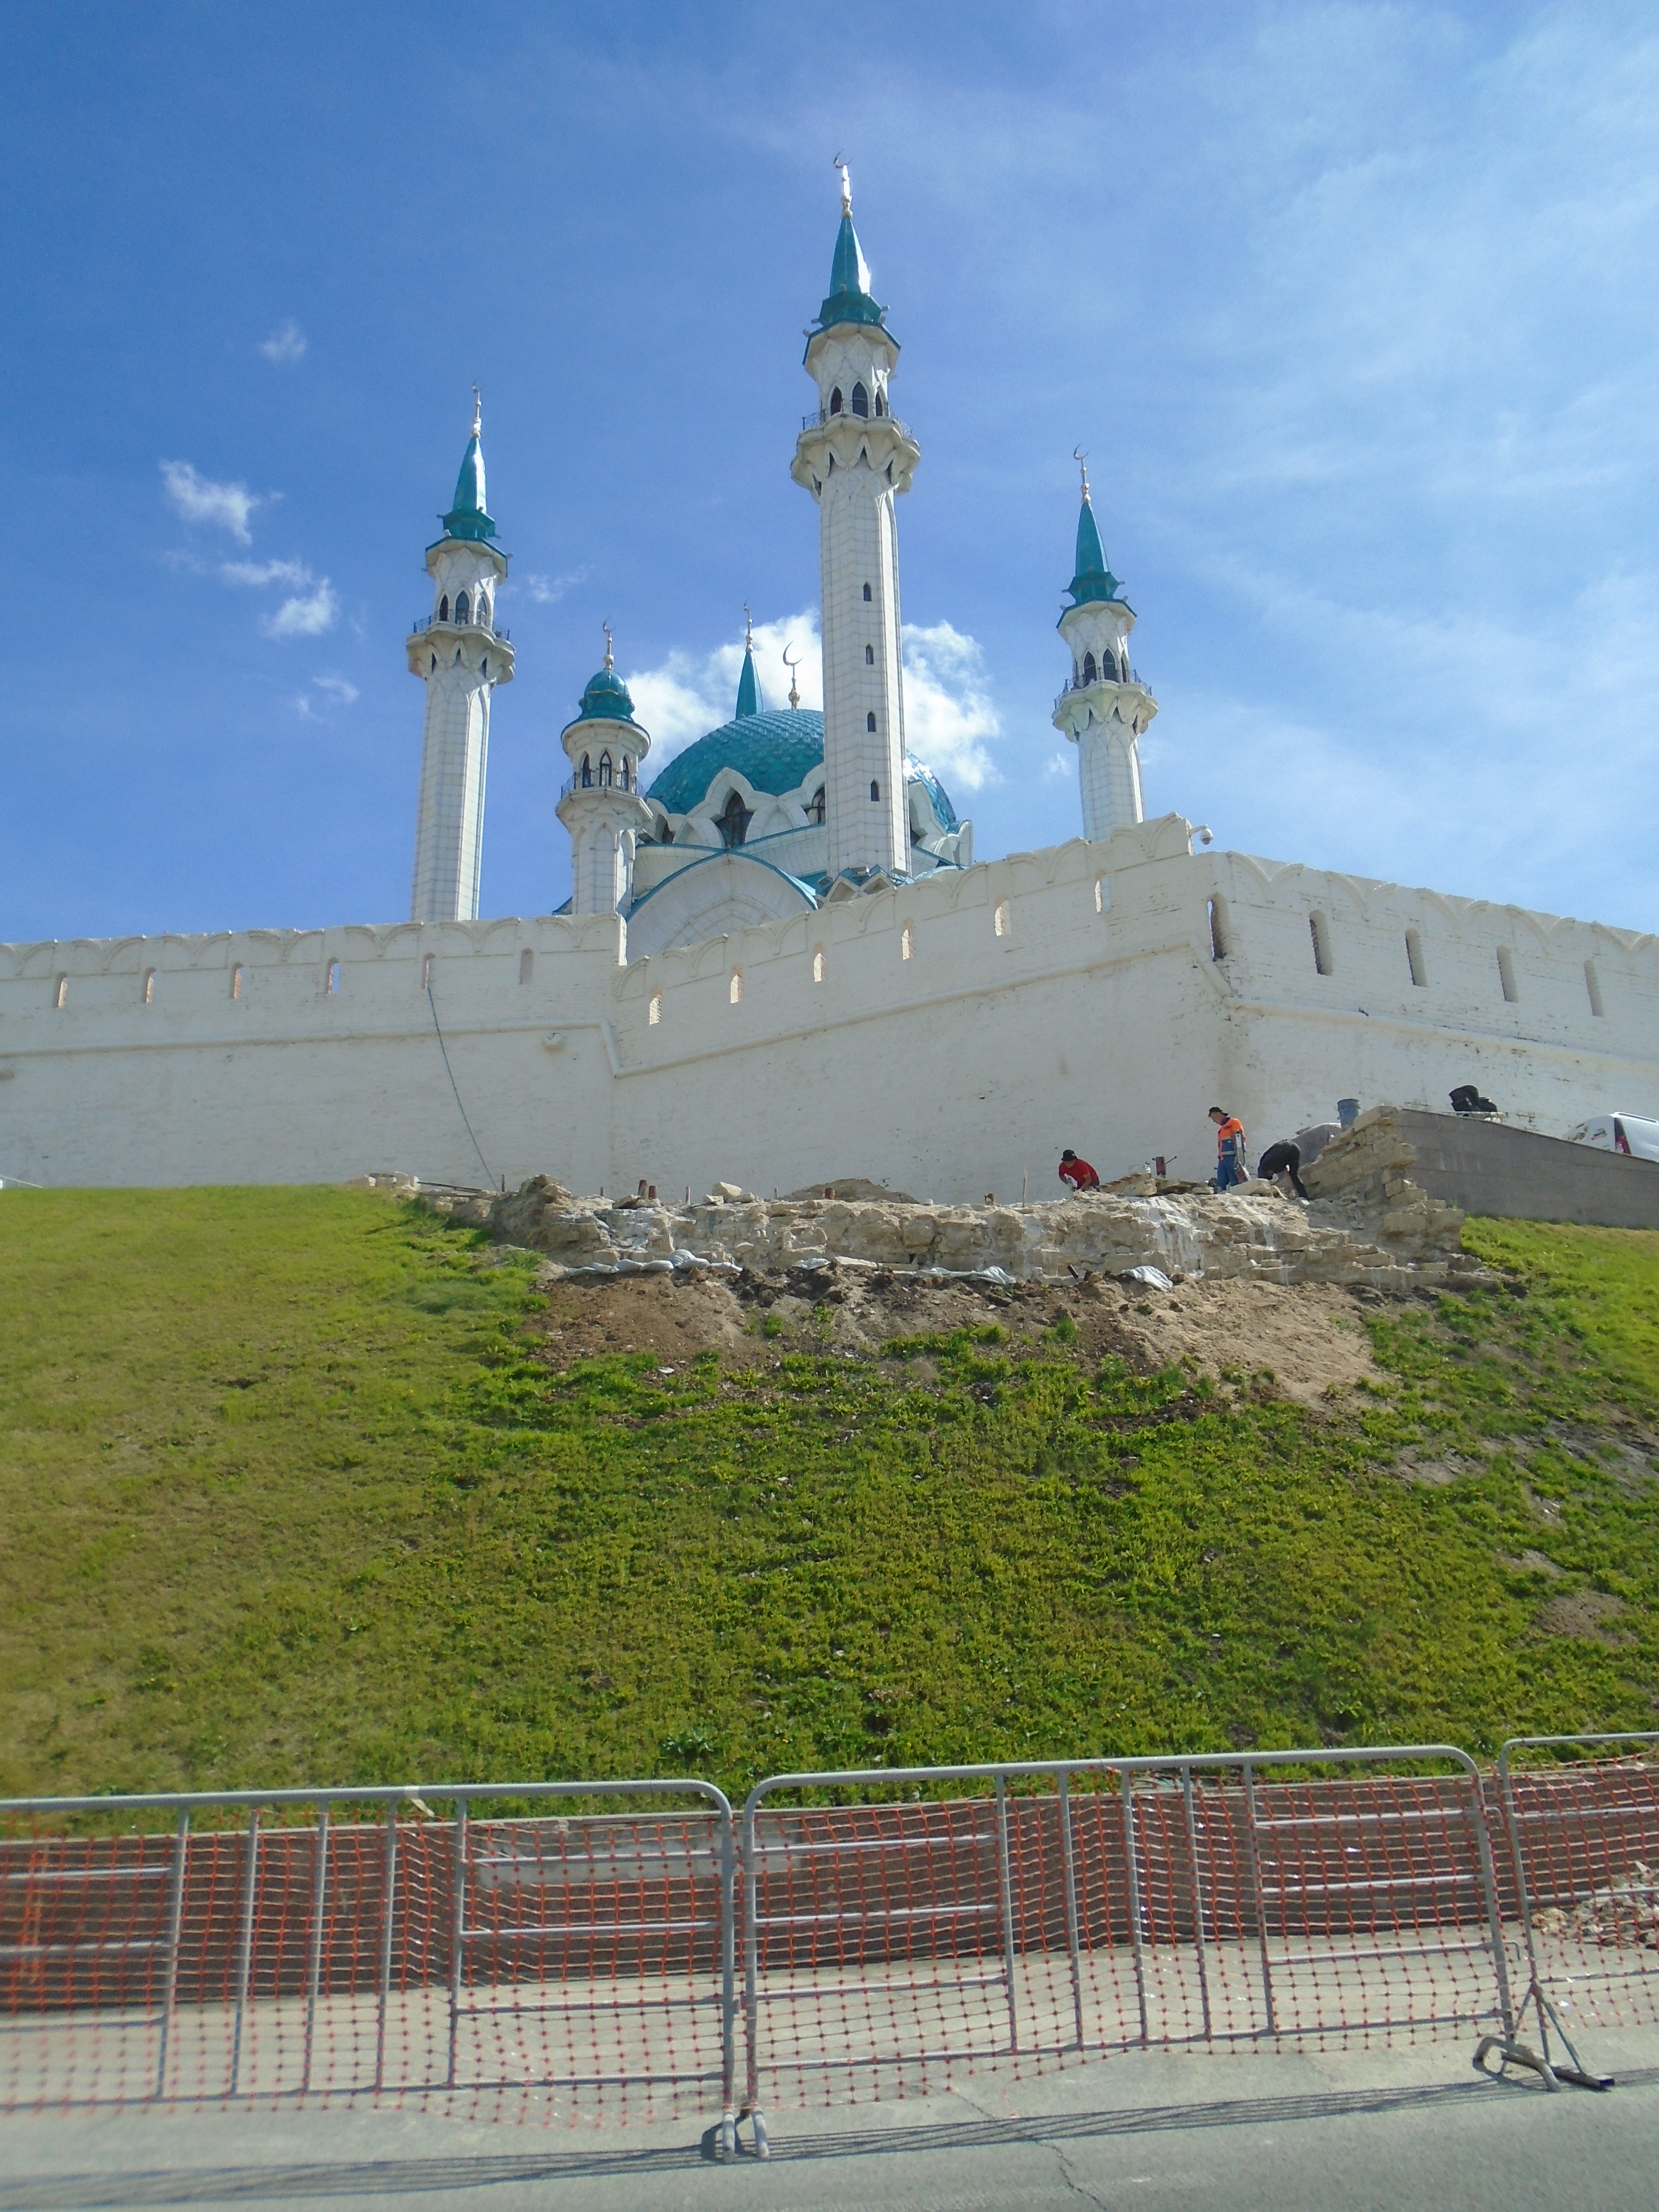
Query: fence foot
[[1555, 2077], [756, 2120], [726, 2140]]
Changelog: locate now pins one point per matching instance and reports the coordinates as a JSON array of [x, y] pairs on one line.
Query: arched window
[[1415, 961], [483, 611], [1506, 974], [881, 404], [736, 986], [733, 822], [815, 812], [236, 981], [1089, 671], [624, 774], [1002, 922], [869, 656], [426, 973], [1220, 937], [443, 608], [860, 400], [1320, 930], [875, 790], [526, 965], [460, 606], [908, 942], [1592, 985], [604, 771], [333, 979], [587, 772], [867, 590], [653, 1009], [60, 993], [870, 722], [434, 669], [1103, 895], [834, 401], [149, 987], [820, 965]]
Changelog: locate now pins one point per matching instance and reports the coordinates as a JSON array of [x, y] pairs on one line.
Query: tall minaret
[[854, 457], [600, 805], [461, 657], [1105, 708]]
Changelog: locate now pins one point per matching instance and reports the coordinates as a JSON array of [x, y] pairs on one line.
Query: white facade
[[949, 1036]]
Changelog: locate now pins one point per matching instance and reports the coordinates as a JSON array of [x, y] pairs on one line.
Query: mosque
[[772, 814], [780, 965]]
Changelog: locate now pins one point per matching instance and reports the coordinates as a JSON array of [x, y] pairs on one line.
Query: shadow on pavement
[[394, 2176]]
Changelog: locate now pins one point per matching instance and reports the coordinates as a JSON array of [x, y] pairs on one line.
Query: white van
[[1618, 1133]]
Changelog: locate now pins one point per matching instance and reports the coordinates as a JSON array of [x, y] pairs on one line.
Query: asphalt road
[[1234, 2134]]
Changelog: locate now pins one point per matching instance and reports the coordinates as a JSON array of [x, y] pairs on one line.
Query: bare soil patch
[[1305, 1341], [1588, 1613]]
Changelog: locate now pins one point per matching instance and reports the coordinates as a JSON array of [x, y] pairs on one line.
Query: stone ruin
[[1367, 1224]]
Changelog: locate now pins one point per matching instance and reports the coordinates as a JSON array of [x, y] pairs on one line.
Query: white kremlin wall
[[948, 1036]]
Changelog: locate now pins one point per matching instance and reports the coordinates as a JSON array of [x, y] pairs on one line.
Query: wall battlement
[[950, 1034]]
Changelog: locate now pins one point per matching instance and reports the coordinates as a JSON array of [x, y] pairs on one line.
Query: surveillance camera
[[1203, 835]]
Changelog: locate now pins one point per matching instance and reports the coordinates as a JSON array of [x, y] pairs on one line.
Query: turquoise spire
[[1093, 579], [469, 518], [849, 300], [748, 699]]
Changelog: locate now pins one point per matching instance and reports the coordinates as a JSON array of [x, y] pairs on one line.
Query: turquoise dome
[[773, 753], [606, 699]]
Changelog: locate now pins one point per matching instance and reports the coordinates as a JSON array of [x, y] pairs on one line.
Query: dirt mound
[[1307, 1341]]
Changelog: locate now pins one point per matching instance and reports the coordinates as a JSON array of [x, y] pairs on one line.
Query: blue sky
[[1353, 307]]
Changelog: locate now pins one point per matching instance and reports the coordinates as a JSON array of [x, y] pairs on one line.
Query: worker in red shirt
[[1076, 1172], [1231, 1165]]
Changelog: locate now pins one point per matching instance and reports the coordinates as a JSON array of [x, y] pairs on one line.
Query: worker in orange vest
[[1230, 1166]]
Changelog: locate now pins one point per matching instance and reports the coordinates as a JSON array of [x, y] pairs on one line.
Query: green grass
[[289, 1493]]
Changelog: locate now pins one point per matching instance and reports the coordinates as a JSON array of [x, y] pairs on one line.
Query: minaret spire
[[1105, 707], [854, 459], [749, 698], [460, 656]]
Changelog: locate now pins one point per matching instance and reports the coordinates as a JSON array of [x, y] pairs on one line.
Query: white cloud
[[199, 499], [335, 690], [686, 695], [548, 591], [949, 718], [264, 571], [285, 345], [306, 617]]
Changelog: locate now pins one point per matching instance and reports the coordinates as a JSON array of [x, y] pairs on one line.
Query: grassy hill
[[301, 1486]]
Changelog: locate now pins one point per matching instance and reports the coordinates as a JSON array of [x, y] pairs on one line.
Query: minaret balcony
[[823, 416], [1134, 682], [609, 786], [468, 628], [885, 443]]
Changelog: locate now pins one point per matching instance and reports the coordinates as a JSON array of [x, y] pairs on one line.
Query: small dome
[[606, 699]]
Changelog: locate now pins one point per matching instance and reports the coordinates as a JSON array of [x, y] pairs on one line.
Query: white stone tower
[[461, 657], [600, 805], [854, 458], [1105, 707]]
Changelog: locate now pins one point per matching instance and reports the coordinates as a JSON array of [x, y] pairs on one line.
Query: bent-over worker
[[1283, 1159], [1076, 1172]]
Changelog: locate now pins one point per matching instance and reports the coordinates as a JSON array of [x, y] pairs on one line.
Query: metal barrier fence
[[1583, 1840], [488, 1948], [475, 1961], [1219, 1900]]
